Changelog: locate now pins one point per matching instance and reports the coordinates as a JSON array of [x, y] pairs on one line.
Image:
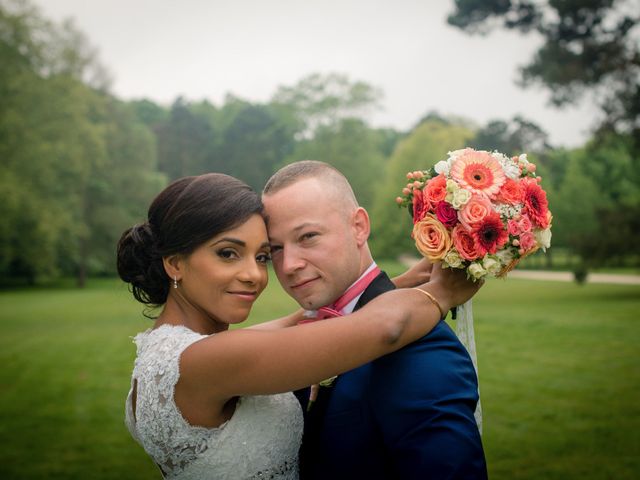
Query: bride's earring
[[175, 282]]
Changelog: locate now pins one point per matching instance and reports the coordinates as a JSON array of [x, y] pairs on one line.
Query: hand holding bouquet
[[477, 210]]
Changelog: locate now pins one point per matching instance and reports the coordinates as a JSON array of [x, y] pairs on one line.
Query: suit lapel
[[378, 286]]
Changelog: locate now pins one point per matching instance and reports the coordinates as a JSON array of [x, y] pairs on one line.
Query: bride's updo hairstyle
[[187, 213]]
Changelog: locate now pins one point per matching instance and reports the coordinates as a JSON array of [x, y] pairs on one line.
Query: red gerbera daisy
[[490, 234]]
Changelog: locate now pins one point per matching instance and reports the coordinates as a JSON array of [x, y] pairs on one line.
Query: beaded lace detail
[[261, 440]]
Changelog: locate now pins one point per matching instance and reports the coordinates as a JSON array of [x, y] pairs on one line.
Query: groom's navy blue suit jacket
[[407, 415]]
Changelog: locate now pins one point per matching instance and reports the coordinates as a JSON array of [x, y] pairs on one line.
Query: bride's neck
[[179, 311]]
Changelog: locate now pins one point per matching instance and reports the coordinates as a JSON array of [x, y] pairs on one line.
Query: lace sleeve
[[159, 426]]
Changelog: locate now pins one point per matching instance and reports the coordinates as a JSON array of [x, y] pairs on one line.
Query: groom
[[408, 415]]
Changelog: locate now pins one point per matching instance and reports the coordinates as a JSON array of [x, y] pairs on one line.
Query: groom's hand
[[416, 275]]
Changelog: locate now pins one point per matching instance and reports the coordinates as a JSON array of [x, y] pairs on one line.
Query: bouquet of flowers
[[477, 210]]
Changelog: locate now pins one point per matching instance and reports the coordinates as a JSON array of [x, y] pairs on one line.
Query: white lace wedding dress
[[260, 441]]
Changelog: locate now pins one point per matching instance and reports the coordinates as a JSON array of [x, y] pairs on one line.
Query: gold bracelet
[[433, 300]]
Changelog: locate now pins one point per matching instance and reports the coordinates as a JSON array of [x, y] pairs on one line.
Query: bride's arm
[[254, 361], [287, 321], [417, 274]]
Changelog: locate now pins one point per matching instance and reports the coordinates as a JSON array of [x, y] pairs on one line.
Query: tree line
[[78, 165]]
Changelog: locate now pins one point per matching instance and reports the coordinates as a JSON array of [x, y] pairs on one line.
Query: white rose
[[543, 237], [453, 259], [442, 167], [491, 265], [460, 197], [476, 271]]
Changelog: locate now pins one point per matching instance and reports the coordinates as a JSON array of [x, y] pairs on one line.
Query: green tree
[[511, 138], [149, 112], [420, 150], [118, 189], [354, 149], [596, 204], [185, 141], [254, 143], [44, 137], [72, 168], [323, 100], [588, 46]]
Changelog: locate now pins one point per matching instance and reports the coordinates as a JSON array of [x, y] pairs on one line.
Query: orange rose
[[510, 192], [432, 238], [465, 243], [435, 190]]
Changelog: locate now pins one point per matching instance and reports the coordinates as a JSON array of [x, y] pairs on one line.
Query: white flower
[[476, 271], [442, 167], [522, 161], [455, 154], [501, 157], [509, 167], [453, 259], [543, 237], [507, 211], [491, 265], [505, 256], [459, 198], [511, 170], [452, 186]]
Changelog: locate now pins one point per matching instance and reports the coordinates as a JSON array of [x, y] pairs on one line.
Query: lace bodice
[[260, 441]]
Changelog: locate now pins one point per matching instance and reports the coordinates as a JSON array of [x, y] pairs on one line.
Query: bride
[[208, 402]]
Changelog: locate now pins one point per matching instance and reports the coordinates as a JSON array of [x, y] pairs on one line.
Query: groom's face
[[313, 245]]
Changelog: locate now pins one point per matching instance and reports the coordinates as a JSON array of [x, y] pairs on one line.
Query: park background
[[80, 163]]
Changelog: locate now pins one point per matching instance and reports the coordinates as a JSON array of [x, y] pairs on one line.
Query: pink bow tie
[[334, 310]]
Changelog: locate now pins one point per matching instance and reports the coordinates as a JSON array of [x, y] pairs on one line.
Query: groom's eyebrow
[[306, 225]]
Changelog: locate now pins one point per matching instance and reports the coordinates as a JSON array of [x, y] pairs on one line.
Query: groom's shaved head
[[317, 231], [329, 176]]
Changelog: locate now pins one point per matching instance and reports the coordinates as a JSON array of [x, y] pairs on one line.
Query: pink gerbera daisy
[[479, 172], [535, 203]]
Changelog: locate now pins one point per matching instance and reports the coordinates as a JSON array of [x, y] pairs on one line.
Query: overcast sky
[[160, 49]]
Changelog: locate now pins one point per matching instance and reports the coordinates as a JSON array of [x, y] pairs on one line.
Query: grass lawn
[[559, 379]]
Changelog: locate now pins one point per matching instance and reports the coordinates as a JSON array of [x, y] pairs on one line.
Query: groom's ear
[[361, 226]]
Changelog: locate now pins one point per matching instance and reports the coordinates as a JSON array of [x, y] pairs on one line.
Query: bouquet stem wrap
[[464, 330]]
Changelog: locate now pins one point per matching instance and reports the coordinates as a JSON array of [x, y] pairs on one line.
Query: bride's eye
[[227, 254]]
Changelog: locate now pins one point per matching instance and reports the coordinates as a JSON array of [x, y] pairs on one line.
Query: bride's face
[[224, 276]]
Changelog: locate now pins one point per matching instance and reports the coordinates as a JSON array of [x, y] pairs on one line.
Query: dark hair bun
[[140, 265]]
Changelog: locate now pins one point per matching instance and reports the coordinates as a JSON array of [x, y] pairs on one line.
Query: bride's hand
[[451, 286]]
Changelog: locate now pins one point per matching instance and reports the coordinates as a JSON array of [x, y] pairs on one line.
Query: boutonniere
[[315, 389]]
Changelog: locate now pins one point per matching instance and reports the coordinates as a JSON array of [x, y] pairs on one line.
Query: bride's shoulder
[[165, 338]]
